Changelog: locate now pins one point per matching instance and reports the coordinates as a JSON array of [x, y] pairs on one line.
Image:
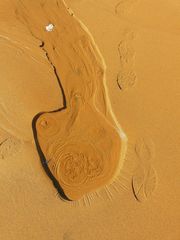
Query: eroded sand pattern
[[143, 201], [83, 152], [81, 145]]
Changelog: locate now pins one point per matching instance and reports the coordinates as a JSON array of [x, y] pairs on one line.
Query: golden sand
[[63, 94], [80, 144]]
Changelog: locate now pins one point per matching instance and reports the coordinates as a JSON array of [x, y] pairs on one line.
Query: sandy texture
[[139, 43], [81, 144]]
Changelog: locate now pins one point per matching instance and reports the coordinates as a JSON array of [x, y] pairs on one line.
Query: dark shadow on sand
[[44, 161]]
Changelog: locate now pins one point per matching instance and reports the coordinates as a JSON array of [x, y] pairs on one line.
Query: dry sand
[[130, 84]]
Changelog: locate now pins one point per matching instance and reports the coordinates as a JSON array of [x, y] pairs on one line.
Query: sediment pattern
[[81, 144]]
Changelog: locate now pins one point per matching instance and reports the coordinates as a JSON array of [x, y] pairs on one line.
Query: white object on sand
[[49, 27]]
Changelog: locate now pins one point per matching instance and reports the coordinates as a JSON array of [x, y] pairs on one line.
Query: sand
[[125, 83]]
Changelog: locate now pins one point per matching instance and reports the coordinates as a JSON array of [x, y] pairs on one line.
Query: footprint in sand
[[67, 236], [81, 145], [9, 147], [144, 180], [125, 7], [126, 78]]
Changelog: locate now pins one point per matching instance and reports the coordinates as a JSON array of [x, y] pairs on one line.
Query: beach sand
[[102, 73]]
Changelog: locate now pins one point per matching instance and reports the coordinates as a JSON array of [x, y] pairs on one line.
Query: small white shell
[[49, 27]]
